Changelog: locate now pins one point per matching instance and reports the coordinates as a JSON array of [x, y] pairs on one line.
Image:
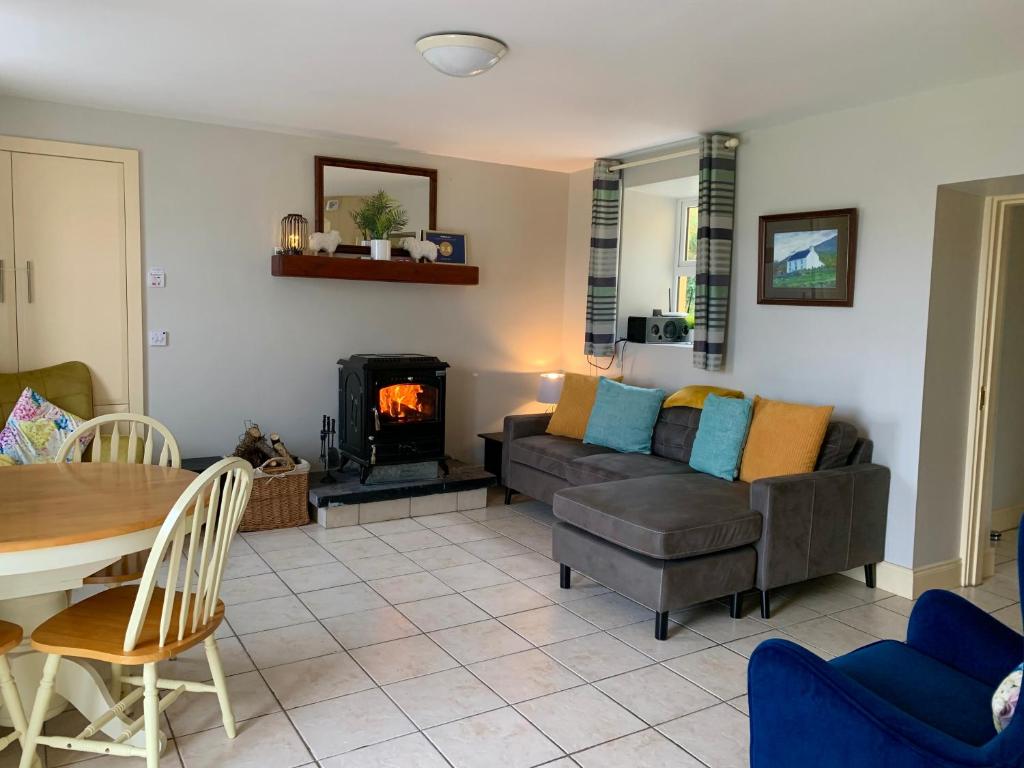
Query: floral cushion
[[1004, 702], [35, 431]]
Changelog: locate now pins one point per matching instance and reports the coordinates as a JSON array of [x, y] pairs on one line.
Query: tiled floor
[[445, 641]]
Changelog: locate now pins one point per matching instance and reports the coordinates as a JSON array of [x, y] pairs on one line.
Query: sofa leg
[[564, 576], [736, 605], [661, 625], [508, 496], [869, 575], [766, 605]]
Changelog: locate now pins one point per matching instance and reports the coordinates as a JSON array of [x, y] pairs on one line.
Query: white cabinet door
[[8, 293], [69, 250]]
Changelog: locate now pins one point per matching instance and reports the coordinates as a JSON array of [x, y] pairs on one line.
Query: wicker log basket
[[280, 489]]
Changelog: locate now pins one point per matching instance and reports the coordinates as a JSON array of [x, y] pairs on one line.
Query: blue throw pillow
[[623, 417], [724, 423]]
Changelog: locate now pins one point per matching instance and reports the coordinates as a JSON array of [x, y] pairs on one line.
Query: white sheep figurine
[[420, 249], [324, 241]]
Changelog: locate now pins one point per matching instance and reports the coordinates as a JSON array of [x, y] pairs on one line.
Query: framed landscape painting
[[807, 258]]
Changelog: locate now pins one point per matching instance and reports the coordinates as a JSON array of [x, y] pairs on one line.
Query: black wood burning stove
[[391, 411]]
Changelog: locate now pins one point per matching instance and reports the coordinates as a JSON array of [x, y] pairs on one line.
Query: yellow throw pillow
[[573, 410], [694, 395], [784, 439]]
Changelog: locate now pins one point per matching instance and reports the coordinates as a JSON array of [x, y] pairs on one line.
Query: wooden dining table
[[60, 523]]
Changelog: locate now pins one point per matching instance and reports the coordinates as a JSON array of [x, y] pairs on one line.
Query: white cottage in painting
[[801, 260]]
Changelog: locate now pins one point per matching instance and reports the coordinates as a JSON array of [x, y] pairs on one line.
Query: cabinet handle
[[28, 274]]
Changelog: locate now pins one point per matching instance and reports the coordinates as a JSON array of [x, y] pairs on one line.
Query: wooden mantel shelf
[[348, 268]]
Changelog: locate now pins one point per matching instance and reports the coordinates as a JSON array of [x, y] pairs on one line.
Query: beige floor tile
[[680, 640], [854, 588], [987, 601], [610, 611], [489, 513], [1010, 616], [410, 587], [315, 577], [716, 669], [323, 535], [465, 532], [550, 624], [402, 659], [413, 540], [491, 549], [504, 599], [442, 697], [1004, 586], [479, 641], [745, 646], [192, 664], [387, 527], [194, 712], [830, 635], [595, 657], [267, 614], [340, 725], [357, 549], [337, 601], [443, 520], [271, 541], [319, 679], [579, 718], [646, 749], [656, 694], [525, 567], [719, 737], [485, 741], [284, 645], [740, 703], [822, 599], [383, 566], [441, 612], [252, 588], [581, 588], [436, 558], [525, 675], [785, 611], [261, 742], [298, 557], [240, 566], [472, 576], [412, 751], [354, 630], [901, 605], [713, 621], [876, 621]]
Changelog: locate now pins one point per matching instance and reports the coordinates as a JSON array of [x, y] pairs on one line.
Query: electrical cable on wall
[[611, 360]]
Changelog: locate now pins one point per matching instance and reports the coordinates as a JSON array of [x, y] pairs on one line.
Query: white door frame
[[980, 445]]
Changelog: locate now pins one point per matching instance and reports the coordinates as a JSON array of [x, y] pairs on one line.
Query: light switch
[[157, 278], [158, 338]]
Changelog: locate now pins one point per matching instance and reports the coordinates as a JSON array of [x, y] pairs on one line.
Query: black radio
[[657, 329]]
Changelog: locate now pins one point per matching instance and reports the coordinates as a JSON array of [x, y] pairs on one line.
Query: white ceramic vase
[[380, 250]]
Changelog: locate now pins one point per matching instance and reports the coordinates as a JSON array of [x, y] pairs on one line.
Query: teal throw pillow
[[724, 423], [623, 417]]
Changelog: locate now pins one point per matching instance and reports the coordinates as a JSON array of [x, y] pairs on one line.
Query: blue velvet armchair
[[925, 703]]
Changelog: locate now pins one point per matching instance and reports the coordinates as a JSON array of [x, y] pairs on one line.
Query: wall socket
[[158, 338]]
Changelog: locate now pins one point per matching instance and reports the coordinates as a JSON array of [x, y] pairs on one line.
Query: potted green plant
[[377, 218]]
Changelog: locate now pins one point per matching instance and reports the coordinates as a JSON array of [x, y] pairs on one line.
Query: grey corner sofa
[[666, 536]]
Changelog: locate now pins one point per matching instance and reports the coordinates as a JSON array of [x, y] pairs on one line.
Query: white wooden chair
[[145, 624], [129, 438], [10, 638]]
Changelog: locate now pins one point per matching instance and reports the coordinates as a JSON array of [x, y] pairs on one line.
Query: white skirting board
[[912, 582], [1007, 518]]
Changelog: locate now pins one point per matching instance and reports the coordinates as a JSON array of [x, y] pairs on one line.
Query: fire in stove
[[407, 402]]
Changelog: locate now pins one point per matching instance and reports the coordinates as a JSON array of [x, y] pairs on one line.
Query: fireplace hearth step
[[402, 473]]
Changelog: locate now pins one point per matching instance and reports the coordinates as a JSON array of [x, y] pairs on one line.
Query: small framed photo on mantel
[[807, 259], [451, 247]]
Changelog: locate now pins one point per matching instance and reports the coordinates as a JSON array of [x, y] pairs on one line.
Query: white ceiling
[[583, 78]]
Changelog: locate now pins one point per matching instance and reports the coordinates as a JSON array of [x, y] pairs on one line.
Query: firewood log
[[280, 448]]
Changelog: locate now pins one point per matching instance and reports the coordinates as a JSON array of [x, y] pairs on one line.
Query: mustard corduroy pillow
[[784, 439], [574, 405], [695, 394]]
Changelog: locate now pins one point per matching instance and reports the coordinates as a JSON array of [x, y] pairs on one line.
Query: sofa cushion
[[840, 438], [551, 453], [68, 385], [624, 417], [666, 516], [604, 467], [674, 433], [924, 688]]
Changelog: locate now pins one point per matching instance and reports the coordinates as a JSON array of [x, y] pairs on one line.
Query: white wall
[[647, 265], [886, 160], [1008, 462], [246, 345]]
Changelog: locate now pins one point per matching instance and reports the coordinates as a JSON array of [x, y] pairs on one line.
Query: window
[[684, 284]]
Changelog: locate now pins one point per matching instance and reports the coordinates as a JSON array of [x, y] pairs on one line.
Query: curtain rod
[[730, 143]]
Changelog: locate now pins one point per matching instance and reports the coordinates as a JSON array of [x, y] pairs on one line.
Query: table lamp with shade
[[550, 389]]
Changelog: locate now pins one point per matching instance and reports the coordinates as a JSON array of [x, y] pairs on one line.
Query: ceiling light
[[461, 55]]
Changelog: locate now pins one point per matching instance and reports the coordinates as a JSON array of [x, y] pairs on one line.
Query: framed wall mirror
[[342, 185]]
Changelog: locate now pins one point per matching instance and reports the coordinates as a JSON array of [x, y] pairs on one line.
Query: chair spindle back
[[128, 430]]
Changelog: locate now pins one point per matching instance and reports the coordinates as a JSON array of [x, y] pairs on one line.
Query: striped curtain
[[716, 196], [599, 340]]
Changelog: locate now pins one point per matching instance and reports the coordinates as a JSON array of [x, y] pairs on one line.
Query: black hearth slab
[[348, 490]]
